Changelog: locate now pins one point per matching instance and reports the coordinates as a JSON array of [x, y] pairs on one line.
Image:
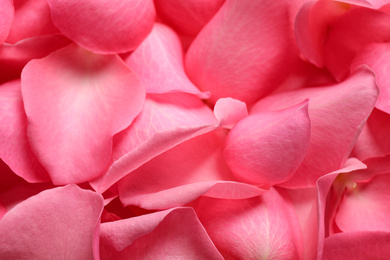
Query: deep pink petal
[[32, 18], [166, 121], [158, 61], [245, 51], [13, 57], [337, 114], [267, 148], [15, 149], [258, 228], [187, 17], [182, 174], [360, 245], [75, 102], [7, 12], [56, 223], [108, 26], [171, 234], [377, 57]]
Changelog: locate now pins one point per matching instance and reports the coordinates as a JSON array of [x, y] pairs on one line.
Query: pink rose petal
[[337, 114], [259, 228], [267, 148], [75, 102], [15, 149], [158, 61], [7, 12], [57, 223], [229, 111], [171, 234], [108, 26]]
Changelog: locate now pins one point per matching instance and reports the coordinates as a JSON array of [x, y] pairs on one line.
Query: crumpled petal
[[105, 26], [15, 149], [158, 62], [57, 223], [267, 148], [264, 227], [337, 114], [7, 13], [174, 233], [75, 102]]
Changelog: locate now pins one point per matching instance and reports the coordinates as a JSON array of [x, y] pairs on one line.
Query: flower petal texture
[[7, 12]]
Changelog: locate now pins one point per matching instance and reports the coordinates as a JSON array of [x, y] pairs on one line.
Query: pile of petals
[[197, 129]]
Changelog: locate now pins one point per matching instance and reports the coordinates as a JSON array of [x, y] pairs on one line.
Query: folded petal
[[337, 114], [158, 61], [75, 102], [57, 223], [109, 26], [15, 149], [267, 148], [264, 227], [229, 111], [175, 233], [7, 12]]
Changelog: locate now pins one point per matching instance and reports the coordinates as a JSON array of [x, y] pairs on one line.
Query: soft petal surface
[[229, 111], [244, 51], [171, 234], [359, 245], [32, 18], [13, 57], [257, 228], [15, 149], [337, 114], [158, 61], [105, 26], [56, 223], [7, 12], [187, 17], [182, 174], [267, 148], [75, 102]]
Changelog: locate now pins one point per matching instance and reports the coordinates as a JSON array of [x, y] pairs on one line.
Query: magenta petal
[[267, 148], [171, 234], [15, 149], [6, 18], [158, 61], [337, 114], [108, 26], [359, 245], [264, 227], [57, 223], [75, 102]]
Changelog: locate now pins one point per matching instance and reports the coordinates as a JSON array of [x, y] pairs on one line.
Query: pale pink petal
[[182, 174], [166, 121], [245, 51], [359, 245], [75, 102], [171, 234], [367, 3], [15, 149], [377, 57], [374, 141], [105, 26], [158, 61], [32, 18], [267, 148], [337, 114], [229, 111], [264, 227], [13, 57], [324, 184], [187, 17], [57, 223], [7, 12]]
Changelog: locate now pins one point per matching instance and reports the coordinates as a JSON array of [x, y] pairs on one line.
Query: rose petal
[[267, 148], [15, 149], [7, 12], [257, 228], [75, 102], [229, 111], [110, 26], [337, 114], [57, 223], [175, 233], [158, 61]]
